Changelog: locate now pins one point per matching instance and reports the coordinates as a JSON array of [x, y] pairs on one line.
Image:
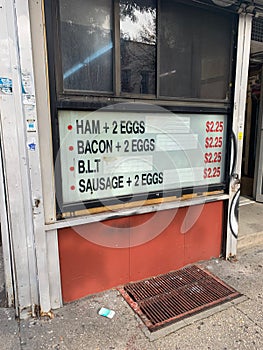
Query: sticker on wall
[[26, 83], [6, 85], [31, 145], [31, 125], [28, 89]]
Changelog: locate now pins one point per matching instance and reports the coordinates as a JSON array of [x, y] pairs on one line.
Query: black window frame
[[94, 100]]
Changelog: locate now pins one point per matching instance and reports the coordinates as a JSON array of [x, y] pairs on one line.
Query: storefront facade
[[125, 124]]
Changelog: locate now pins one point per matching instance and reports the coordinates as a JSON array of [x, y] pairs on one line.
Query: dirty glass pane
[[138, 46], [86, 44], [195, 49]]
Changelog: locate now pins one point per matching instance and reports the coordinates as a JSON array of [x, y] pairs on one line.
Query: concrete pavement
[[235, 326], [250, 223]]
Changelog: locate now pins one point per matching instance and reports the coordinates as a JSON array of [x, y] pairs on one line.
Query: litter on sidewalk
[[106, 312]]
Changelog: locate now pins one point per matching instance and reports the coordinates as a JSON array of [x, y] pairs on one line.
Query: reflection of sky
[[132, 29]]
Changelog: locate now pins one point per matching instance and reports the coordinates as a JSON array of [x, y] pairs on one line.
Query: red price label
[[213, 157], [213, 142], [212, 126], [212, 172]]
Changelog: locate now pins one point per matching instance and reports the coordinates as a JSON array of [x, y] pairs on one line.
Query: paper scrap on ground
[[106, 312]]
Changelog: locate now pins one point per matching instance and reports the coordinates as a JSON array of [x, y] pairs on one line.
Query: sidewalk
[[250, 223], [78, 326]]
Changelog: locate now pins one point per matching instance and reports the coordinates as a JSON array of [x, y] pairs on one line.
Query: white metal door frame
[[243, 53]]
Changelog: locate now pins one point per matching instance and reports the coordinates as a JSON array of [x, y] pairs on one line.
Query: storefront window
[[138, 46], [191, 60], [140, 98], [86, 45], [194, 52]]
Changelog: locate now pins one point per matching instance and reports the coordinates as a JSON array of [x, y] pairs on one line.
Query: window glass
[[194, 48], [138, 46], [86, 44], [194, 51]]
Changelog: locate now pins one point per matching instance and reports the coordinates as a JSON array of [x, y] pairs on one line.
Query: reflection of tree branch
[[128, 8], [147, 34]]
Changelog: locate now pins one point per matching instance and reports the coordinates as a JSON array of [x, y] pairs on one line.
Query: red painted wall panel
[[173, 238]]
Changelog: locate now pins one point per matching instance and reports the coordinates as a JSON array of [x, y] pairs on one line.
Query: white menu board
[[109, 154]]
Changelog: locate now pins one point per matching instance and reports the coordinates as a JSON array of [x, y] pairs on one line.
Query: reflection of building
[[138, 67]]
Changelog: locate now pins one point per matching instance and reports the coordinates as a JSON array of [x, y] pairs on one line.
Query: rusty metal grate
[[167, 298]]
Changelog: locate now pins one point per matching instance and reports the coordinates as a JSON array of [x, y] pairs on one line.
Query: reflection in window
[[126, 80], [194, 48], [86, 44], [145, 82], [194, 52], [138, 46]]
